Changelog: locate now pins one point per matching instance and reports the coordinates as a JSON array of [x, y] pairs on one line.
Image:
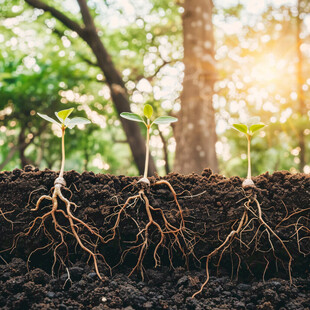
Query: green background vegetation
[[44, 67]]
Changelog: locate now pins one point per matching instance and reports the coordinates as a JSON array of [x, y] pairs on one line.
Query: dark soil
[[212, 204]]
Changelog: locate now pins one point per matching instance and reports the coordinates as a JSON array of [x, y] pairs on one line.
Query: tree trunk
[[22, 145], [114, 80], [195, 130], [302, 107], [120, 98]]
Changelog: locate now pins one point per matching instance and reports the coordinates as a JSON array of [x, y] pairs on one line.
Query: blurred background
[[209, 63]]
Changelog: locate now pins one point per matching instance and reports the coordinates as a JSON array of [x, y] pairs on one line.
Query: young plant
[[64, 123], [169, 235], [252, 211], [146, 120], [248, 129], [75, 224]]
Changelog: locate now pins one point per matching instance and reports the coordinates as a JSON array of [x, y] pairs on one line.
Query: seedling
[[252, 211], [156, 217], [64, 123], [146, 120], [248, 129], [75, 224]]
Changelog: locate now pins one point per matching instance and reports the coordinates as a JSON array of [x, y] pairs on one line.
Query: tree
[[302, 109], [119, 94], [195, 130]]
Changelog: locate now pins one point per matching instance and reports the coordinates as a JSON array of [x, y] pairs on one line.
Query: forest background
[[209, 64]]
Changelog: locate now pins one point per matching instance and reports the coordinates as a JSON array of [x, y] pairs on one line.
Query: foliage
[[148, 112], [64, 120], [44, 66], [250, 127]]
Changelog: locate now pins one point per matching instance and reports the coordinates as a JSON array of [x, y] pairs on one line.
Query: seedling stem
[[61, 173], [147, 114], [147, 155], [249, 157]]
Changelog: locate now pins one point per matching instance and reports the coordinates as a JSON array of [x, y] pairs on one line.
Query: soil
[[252, 273]]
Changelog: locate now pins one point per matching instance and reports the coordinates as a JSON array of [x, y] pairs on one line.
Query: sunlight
[[267, 69]]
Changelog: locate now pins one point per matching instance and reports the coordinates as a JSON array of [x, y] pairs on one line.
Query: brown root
[[301, 229], [3, 214], [245, 224], [75, 225], [178, 236]]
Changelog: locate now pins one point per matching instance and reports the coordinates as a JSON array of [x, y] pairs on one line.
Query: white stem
[[249, 157], [63, 152], [147, 155]]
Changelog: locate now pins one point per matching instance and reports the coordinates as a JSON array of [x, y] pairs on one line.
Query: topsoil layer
[[252, 273]]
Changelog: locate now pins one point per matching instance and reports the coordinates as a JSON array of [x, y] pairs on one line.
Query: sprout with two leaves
[[57, 238], [250, 213], [177, 235], [148, 113], [64, 122], [249, 129]]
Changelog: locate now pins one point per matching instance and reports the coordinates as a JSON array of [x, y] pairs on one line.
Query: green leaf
[[47, 118], [76, 121], [132, 117], [256, 127], [148, 111], [241, 127], [165, 120], [63, 114]]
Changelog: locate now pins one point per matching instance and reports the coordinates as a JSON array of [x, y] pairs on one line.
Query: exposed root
[[245, 225], [4, 260], [301, 228], [3, 214], [68, 279], [75, 225], [301, 233], [178, 236]]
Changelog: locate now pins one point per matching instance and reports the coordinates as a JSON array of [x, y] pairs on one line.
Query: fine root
[[3, 214], [178, 236], [73, 229], [300, 227], [246, 224]]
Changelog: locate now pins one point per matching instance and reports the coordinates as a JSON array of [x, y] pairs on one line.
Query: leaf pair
[[148, 113], [65, 120], [250, 127]]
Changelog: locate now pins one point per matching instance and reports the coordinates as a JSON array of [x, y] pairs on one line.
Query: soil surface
[[251, 273]]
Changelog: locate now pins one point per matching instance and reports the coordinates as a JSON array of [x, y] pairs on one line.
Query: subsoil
[[252, 273]]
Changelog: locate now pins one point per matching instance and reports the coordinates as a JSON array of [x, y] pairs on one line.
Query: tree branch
[[87, 18], [114, 79], [88, 61], [60, 33], [152, 76], [58, 15]]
